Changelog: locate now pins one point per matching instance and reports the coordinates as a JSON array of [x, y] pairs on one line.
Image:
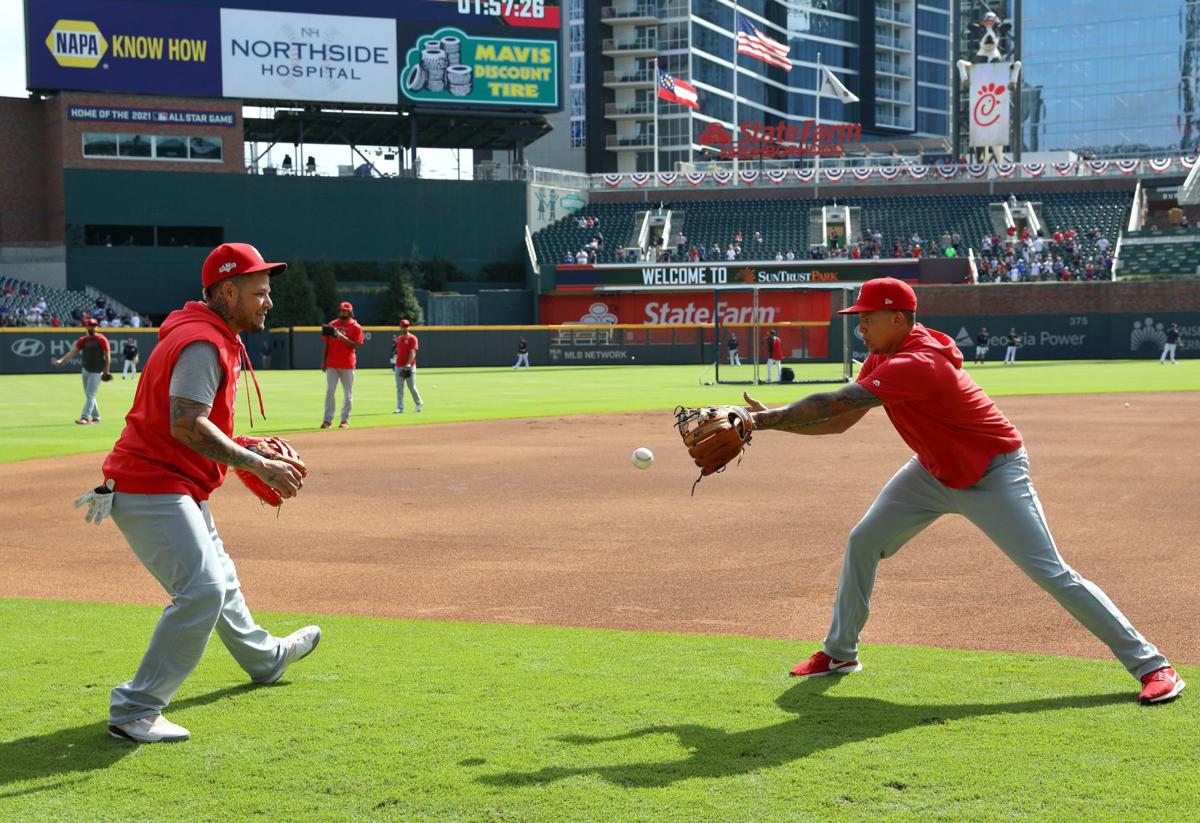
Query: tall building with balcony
[[895, 55]]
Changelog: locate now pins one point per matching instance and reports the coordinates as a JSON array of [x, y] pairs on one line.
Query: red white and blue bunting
[[613, 180], [947, 172], [639, 178], [1005, 169], [889, 173], [805, 175], [722, 178], [1187, 161], [1098, 166], [695, 178], [835, 175], [918, 172], [1064, 169], [1035, 169], [977, 169], [667, 178], [1160, 165], [862, 175], [777, 176], [748, 178], [1128, 166]]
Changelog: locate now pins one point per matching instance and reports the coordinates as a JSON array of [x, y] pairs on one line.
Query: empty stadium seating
[[1171, 251]]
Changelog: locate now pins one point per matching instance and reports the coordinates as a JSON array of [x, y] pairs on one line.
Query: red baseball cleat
[[1160, 686], [821, 664], [326, 424], [343, 425]]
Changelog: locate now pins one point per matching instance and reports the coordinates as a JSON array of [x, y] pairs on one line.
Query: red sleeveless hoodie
[[147, 459]]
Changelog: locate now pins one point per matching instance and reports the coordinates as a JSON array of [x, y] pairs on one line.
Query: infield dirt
[[545, 521]]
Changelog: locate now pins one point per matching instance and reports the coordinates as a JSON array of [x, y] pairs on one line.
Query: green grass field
[[37, 411], [402, 720]]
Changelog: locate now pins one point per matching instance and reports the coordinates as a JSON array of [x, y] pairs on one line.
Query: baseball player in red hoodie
[[969, 460], [172, 454]]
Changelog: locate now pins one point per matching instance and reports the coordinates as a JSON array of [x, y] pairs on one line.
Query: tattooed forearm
[[190, 425], [821, 413]]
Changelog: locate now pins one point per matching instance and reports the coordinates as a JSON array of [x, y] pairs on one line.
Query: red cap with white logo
[[884, 293], [232, 259]]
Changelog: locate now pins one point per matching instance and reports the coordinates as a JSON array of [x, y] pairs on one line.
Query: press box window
[[100, 145], [204, 148], [171, 148], [134, 145], [201, 149]]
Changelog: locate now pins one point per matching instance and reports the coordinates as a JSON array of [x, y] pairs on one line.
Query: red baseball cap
[[884, 293], [404, 322], [232, 259], [90, 321], [345, 304]]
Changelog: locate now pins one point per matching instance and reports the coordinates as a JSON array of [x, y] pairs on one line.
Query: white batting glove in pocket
[[99, 502]]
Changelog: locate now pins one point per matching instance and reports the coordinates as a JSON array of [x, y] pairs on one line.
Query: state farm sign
[[783, 140], [735, 308]]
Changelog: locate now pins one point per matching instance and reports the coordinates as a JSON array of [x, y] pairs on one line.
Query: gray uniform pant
[[1004, 505], [332, 378], [177, 542], [91, 383], [411, 380]]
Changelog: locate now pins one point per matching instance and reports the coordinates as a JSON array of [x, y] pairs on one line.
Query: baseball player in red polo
[[969, 460], [96, 355], [341, 358], [406, 345], [172, 454]]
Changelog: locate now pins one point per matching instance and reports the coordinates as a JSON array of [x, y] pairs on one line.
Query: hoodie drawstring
[[247, 366]]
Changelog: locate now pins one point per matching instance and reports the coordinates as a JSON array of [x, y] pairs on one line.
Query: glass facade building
[[1108, 78], [895, 55]]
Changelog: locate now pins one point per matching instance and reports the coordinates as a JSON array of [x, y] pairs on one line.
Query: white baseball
[[642, 458]]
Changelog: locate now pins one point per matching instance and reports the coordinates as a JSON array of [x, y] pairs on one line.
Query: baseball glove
[[405, 372], [272, 448], [714, 436], [105, 377]]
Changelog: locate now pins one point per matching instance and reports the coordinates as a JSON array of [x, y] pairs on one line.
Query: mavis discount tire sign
[[450, 66]]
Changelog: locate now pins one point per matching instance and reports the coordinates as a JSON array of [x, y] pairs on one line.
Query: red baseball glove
[[714, 436], [272, 448]]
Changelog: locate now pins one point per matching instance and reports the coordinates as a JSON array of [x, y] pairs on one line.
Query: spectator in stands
[[737, 237], [568, 258], [1183, 222], [581, 257], [791, 254], [731, 253], [758, 238], [1102, 244], [680, 242], [620, 251], [23, 291], [8, 290], [55, 322], [77, 315], [779, 256]]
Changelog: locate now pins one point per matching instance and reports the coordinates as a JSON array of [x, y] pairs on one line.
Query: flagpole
[[736, 142], [657, 86], [817, 134]]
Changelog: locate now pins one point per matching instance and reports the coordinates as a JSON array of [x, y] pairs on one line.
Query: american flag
[[751, 41]]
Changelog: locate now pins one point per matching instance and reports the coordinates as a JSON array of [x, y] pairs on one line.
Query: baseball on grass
[[642, 458]]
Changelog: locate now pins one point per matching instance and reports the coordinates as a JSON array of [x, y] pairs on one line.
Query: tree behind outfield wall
[[325, 288], [400, 300], [295, 302]]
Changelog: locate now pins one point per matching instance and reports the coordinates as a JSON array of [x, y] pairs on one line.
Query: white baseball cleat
[[299, 644], [156, 729]]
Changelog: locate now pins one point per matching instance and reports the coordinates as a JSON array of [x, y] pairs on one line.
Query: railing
[[894, 122], [775, 174], [624, 141], [893, 94], [891, 67], [621, 12], [641, 76], [643, 107], [895, 42], [646, 42], [884, 13]]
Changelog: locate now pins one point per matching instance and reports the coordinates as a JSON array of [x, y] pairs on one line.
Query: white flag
[[990, 104], [833, 87]]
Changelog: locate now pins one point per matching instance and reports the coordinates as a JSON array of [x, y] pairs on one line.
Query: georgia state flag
[[677, 91]]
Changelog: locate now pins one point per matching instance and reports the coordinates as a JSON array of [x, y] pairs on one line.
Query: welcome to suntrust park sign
[[734, 273]]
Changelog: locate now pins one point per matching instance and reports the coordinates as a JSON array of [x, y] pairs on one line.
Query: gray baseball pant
[[91, 383], [1004, 505], [332, 378], [411, 380], [177, 542]]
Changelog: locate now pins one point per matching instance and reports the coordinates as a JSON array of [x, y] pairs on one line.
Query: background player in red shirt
[[774, 355], [340, 361], [969, 460], [172, 454], [406, 345], [96, 355]]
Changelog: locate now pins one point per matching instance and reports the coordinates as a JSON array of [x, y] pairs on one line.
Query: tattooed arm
[[190, 425], [821, 413]]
